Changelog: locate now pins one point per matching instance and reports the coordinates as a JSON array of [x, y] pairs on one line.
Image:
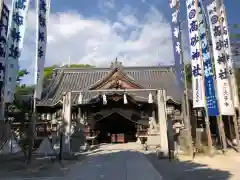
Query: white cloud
[[106, 5], [109, 4], [135, 42]]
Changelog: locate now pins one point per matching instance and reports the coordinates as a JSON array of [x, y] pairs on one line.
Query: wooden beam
[[116, 90]]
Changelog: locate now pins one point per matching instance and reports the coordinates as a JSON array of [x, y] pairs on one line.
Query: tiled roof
[[66, 79]]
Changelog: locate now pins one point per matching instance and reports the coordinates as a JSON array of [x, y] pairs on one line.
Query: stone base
[[5, 132], [69, 156]]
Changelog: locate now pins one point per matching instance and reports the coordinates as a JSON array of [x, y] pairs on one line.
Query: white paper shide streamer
[[228, 52], [15, 43], [196, 61], [220, 59], [42, 18]]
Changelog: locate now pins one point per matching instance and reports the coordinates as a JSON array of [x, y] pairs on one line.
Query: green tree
[[21, 74]]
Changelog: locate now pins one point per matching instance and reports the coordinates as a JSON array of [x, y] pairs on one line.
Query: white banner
[[3, 43], [223, 86], [43, 9], [228, 52], [195, 52], [15, 43]]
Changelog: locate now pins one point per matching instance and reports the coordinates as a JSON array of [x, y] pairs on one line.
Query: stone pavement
[[219, 167], [118, 162], [109, 162]]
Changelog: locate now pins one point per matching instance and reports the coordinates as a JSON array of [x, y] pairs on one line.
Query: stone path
[[110, 162], [219, 167], [118, 162]]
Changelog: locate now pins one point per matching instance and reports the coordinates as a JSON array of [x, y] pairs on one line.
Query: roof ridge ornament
[[116, 64]]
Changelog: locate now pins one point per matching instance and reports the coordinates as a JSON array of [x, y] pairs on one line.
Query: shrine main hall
[[112, 104]]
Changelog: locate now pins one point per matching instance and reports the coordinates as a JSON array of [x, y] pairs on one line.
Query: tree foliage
[[21, 74]]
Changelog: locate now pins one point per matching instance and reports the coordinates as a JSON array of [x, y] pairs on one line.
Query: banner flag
[[195, 56], [3, 44], [211, 100], [177, 47], [43, 9], [228, 52], [220, 60], [15, 43]]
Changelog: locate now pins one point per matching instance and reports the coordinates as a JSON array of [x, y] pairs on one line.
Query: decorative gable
[[116, 79]]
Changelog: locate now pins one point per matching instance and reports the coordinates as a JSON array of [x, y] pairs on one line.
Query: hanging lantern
[[104, 99], [80, 98], [150, 98], [125, 101]]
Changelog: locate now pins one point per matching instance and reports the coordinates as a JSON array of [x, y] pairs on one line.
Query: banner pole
[[206, 116], [220, 126], [186, 104], [2, 110], [231, 80]]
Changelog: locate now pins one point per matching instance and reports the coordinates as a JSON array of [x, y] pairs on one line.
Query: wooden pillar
[[81, 118], [236, 131], [187, 124], [66, 123], [222, 133], [162, 119], [154, 116]]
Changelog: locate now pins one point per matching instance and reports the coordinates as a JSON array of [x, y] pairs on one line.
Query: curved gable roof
[[67, 79]]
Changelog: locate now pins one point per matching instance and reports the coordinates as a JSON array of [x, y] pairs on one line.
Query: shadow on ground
[[89, 167], [184, 170], [169, 170], [14, 165]]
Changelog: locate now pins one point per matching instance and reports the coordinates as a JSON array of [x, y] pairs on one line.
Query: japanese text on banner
[[228, 52], [15, 43], [3, 43], [197, 64], [207, 64], [176, 38], [222, 75], [41, 37]]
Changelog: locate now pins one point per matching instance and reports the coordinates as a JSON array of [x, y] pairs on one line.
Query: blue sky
[[96, 31]]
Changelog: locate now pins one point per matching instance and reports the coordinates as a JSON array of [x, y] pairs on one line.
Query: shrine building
[[112, 104]]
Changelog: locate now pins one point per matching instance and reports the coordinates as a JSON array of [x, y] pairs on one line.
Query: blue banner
[[176, 40], [207, 63], [3, 43]]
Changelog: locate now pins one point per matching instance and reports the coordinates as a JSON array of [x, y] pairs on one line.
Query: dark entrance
[[116, 127]]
